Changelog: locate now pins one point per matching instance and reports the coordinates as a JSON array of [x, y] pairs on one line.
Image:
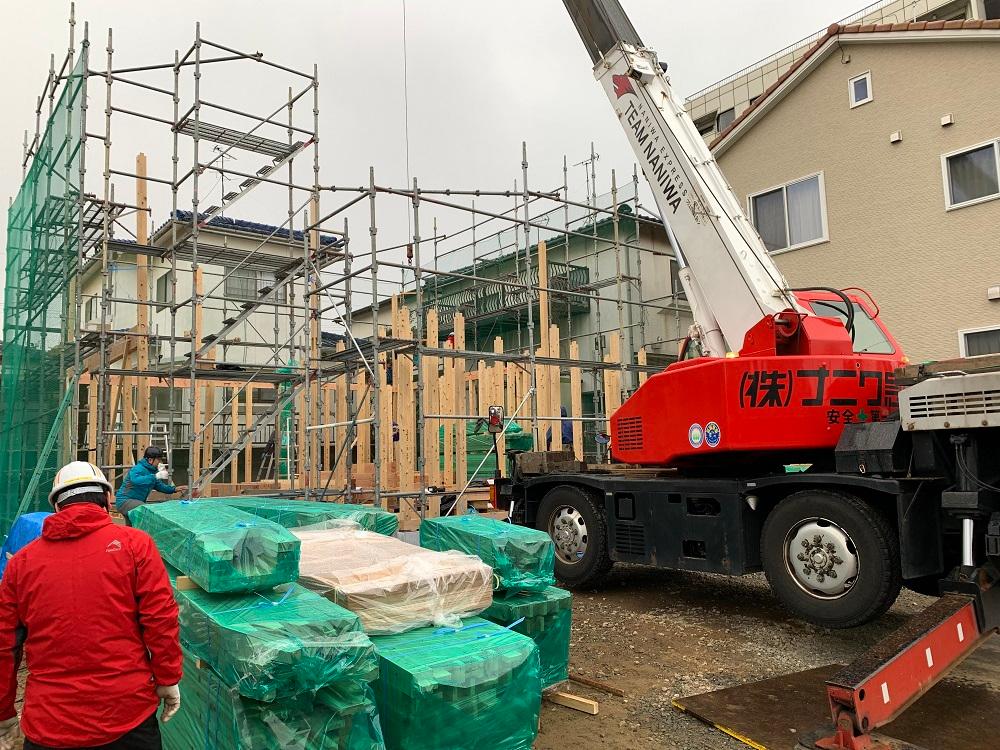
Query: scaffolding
[[379, 357]]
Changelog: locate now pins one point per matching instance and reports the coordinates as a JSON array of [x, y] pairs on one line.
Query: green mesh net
[[296, 513], [221, 549], [477, 686], [275, 644], [45, 225], [213, 716], [479, 444], [522, 559], [545, 617]]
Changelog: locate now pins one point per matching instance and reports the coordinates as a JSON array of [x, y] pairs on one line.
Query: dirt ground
[[659, 635]]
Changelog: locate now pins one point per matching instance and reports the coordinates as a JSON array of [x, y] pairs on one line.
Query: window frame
[[867, 75], [718, 118], [963, 347], [824, 237], [945, 175]]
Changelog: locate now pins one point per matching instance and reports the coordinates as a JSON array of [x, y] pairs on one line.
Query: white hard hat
[[75, 478]]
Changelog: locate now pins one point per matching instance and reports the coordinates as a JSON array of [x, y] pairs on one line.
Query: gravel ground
[[660, 634]]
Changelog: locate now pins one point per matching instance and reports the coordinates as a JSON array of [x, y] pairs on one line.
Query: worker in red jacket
[[91, 604]]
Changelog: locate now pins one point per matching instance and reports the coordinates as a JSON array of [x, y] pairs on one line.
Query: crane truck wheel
[[831, 558], [576, 524]]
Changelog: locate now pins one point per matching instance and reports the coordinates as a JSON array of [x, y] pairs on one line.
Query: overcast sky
[[482, 78]]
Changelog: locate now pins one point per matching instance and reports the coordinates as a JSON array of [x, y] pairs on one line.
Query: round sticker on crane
[[713, 434], [696, 435]]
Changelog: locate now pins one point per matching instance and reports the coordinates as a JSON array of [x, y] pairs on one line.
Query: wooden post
[[405, 405], [92, 420], [128, 421], [384, 436], [341, 434], [196, 421], [613, 378], [364, 430], [461, 406], [576, 401], [448, 407], [248, 451], [431, 405], [499, 398], [234, 435], [555, 389], [142, 296], [641, 359]]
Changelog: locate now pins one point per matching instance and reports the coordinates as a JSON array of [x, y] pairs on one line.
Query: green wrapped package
[[221, 549], [213, 716], [522, 559], [296, 513], [275, 644], [546, 618], [472, 688]]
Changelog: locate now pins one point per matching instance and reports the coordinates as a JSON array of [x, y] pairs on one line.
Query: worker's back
[[81, 591]]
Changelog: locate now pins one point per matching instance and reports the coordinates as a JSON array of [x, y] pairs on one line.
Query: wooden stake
[[576, 702], [576, 400], [641, 359]]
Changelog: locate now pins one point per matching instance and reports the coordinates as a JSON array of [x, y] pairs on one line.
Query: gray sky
[[483, 77]]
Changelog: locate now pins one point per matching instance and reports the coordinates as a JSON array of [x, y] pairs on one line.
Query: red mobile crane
[[899, 486]]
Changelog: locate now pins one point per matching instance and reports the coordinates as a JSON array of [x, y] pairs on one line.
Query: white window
[[791, 216], [860, 89], [164, 287], [971, 175], [975, 342], [244, 284], [90, 311]]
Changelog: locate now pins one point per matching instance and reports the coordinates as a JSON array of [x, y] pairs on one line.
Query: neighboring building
[[715, 107], [874, 161]]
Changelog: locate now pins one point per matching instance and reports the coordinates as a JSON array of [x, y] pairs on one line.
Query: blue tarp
[[26, 529]]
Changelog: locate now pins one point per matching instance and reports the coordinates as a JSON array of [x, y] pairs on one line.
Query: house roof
[[924, 30], [226, 223]]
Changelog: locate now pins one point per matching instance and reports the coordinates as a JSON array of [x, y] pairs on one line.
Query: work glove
[[162, 474], [10, 733], [171, 697]]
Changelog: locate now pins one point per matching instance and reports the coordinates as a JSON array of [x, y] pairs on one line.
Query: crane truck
[[902, 481]]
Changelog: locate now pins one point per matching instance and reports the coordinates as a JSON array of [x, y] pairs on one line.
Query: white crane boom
[[730, 279]]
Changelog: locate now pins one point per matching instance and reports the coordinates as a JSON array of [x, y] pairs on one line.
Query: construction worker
[[147, 475], [91, 604]]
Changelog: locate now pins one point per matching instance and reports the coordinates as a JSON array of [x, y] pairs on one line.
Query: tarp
[[546, 618], [214, 716], [522, 559], [474, 688], [222, 549], [392, 586], [295, 513], [26, 529], [276, 644]]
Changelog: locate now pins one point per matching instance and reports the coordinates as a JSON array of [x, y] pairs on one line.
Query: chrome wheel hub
[[569, 533], [822, 558]]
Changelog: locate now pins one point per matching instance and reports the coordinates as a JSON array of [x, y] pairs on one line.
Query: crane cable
[[406, 122]]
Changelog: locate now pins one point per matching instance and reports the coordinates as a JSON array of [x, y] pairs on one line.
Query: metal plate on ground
[[962, 712]]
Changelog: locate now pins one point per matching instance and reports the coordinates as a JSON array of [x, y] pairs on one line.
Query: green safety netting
[[275, 644], [522, 559], [214, 716], [296, 513], [472, 688], [479, 444], [545, 617], [45, 229], [221, 549]]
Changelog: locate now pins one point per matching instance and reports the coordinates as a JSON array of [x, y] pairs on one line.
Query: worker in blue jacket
[[147, 475]]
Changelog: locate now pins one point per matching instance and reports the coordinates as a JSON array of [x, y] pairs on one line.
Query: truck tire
[[577, 526], [831, 558]]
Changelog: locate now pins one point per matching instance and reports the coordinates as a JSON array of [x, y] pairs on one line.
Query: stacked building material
[[546, 618], [221, 549], [276, 644], [522, 559], [392, 586], [214, 715], [295, 513], [472, 688]]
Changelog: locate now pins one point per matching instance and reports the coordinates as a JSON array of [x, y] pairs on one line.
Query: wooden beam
[[641, 359], [405, 404], [576, 400], [448, 399], [431, 405], [576, 702], [461, 406], [613, 378], [248, 420], [142, 395], [341, 433], [499, 398]]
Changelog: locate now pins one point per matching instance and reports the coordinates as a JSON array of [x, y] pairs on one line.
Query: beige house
[[715, 107], [874, 161]]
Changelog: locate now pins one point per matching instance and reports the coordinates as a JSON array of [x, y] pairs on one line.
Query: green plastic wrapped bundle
[[296, 513], [275, 644], [545, 617], [522, 559], [472, 688], [221, 549], [480, 444], [213, 716]]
